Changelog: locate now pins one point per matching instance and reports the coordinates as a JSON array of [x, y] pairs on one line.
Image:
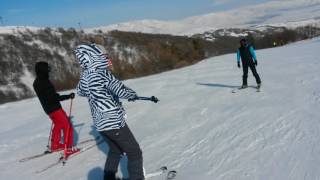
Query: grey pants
[[122, 141]]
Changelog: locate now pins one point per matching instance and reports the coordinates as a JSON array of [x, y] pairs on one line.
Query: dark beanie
[[42, 68]]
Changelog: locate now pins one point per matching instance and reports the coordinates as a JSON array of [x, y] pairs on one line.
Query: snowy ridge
[[199, 127], [16, 29], [287, 13], [272, 12]]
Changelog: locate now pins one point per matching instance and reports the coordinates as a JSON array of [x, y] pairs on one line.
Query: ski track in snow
[[198, 128]]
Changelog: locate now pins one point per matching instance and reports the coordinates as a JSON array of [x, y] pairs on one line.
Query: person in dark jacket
[[50, 101], [249, 60]]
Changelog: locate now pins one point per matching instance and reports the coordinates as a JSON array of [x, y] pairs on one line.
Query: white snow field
[[199, 127]]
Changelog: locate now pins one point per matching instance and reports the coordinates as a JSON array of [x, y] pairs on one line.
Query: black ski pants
[[121, 141], [245, 66]]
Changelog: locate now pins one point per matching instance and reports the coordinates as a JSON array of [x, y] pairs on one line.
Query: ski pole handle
[[152, 98]]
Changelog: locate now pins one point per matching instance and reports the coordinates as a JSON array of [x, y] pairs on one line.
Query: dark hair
[[243, 40]]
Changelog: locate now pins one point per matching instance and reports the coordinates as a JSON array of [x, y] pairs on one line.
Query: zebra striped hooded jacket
[[101, 88]]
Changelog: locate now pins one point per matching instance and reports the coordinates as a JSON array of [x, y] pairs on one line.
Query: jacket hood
[[90, 56]]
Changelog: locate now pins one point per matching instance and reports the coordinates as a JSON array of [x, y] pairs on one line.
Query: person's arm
[[82, 88], [238, 56], [253, 54], [51, 93], [65, 97], [119, 89]]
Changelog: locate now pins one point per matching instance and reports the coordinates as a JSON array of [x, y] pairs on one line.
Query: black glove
[[154, 99], [239, 65], [71, 95], [133, 98], [256, 62]]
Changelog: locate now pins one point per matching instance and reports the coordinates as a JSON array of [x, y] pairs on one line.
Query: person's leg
[[67, 129], [255, 74], [245, 74], [65, 125], [56, 131], [114, 155], [124, 139], [132, 149]]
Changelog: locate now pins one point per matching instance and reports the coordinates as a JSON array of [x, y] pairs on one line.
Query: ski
[[51, 165], [258, 89], [63, 161], [171, 175], [238, 89], [36, 156], [47, 152], [159, 172]]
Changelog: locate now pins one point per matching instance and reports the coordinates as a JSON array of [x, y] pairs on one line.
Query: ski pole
[[50, 134], [68, 132], [70, 109], [152, 98]]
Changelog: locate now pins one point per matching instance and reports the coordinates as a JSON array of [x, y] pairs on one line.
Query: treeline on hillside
[[270, 37], [150, 54], [133, 54], [158, 53], [284, 37]]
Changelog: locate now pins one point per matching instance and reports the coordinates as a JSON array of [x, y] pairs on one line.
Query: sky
[[93, 13]]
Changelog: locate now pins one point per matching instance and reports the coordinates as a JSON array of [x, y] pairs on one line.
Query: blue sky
[[91, 13]]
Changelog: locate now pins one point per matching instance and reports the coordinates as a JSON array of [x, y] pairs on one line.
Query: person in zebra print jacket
[[103, 91]]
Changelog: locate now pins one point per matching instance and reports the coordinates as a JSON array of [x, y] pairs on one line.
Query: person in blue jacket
[[249, 60]]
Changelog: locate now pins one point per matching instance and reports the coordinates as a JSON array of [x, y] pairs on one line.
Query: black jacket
[[49, 98], [245, 54]]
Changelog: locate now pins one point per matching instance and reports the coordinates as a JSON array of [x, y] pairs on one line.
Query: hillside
[[199, 127], [133, 54]]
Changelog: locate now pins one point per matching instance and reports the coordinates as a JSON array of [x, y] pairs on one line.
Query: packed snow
[[199, 127]]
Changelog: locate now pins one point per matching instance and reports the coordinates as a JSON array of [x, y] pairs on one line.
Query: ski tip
[[164, 168], [47, 152], [171, 174]]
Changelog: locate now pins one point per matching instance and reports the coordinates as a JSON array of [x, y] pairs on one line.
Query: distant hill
[[134, 54]]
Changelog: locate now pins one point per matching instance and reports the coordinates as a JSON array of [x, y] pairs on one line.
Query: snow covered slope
[[17, 29], [277, 12], [199, 127]]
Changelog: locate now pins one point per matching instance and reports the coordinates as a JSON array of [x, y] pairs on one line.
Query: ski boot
[[259, 86], [71, 151], [56, 148], [243, 86]]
